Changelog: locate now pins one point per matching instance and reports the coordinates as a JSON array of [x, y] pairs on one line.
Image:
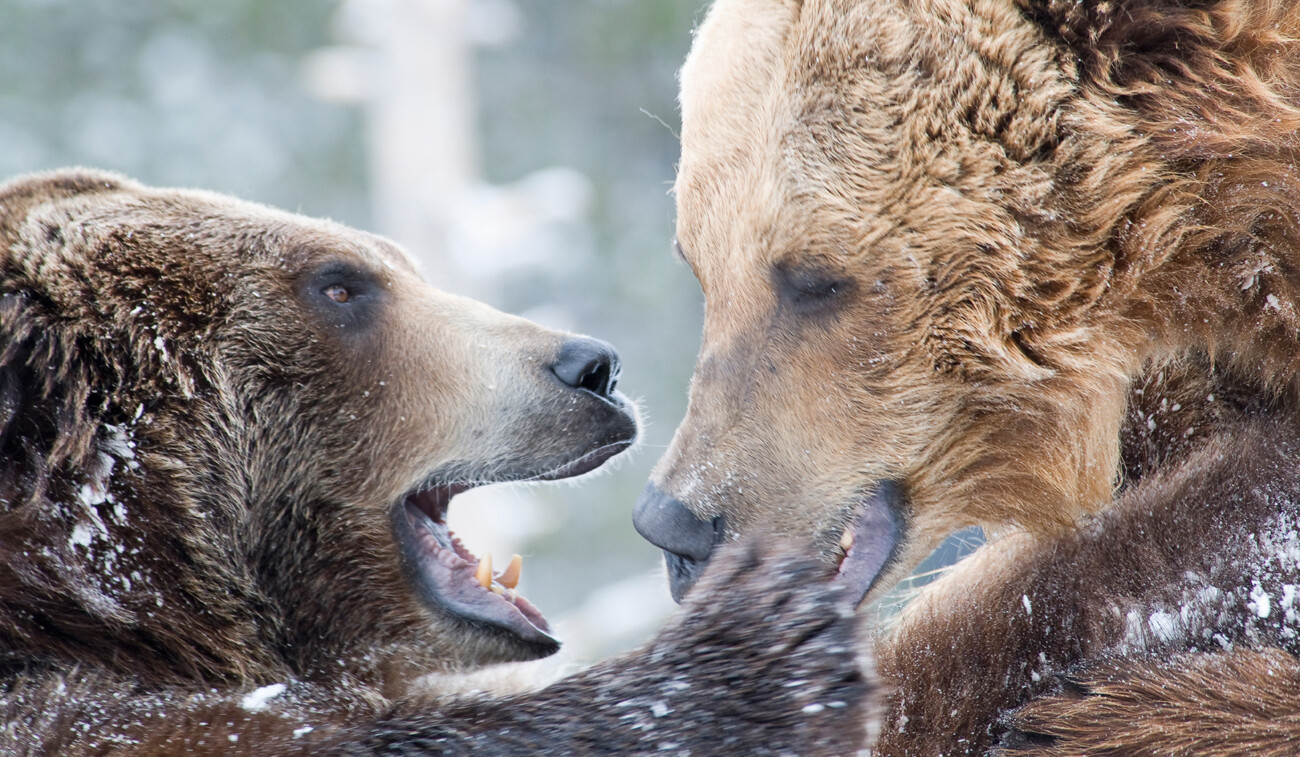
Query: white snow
[[1163, 625], [259, 699], [1260, 603], [1029, 608], [80, 535]]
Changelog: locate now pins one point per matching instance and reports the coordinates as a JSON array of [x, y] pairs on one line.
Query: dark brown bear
[[990, 262], [230, 436]]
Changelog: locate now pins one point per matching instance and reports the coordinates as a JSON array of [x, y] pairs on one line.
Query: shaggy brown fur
[[1202, 556], [947, 248], [1246, 704], [940, 240], [216, 421]]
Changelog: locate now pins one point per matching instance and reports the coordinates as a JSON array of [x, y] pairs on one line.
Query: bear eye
[[337, 292], [342, 294], [805, 287]]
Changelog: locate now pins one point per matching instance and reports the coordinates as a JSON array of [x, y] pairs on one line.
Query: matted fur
[[201, 452], [1194, 558]]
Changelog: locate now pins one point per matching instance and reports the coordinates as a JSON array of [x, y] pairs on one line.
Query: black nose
[[590, 364], [686, 540]]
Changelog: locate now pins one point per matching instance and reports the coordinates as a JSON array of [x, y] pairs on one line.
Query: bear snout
[[686, 540]]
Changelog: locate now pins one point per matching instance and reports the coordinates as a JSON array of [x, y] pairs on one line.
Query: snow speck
[[160, 344], [259, 699], [1029, 608], [80, 535], [1289, 594], [1260, 603], [233, 737], [1273, 302], [1163, 625], [814, 708], [659, 709], [300, 732]]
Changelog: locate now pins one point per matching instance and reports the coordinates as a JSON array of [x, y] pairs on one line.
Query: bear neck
[[104, 561]]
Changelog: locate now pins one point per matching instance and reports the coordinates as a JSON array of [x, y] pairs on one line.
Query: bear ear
[[18, 196]]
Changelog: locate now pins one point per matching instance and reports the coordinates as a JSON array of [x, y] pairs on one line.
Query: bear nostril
[[687, 541], [589, 364]]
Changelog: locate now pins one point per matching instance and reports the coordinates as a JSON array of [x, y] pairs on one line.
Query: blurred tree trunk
[[423, 150]]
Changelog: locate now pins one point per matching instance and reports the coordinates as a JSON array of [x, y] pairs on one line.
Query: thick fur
[[201, 455], [940, 241], [1017, 256], [1200, 558], [1245, 702], [766, 662]]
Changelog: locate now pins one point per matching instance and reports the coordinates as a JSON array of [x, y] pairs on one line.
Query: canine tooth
[[846, 539], [509, 577], [495, 589], [484, 573]]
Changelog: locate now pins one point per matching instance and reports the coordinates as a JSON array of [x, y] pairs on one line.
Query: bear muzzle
[[868, 547], [687, 541]]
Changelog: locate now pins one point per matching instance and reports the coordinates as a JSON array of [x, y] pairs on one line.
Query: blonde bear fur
[[965, 249]]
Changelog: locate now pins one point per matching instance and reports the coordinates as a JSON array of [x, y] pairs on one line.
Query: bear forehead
[[188, 226], [840, 119]]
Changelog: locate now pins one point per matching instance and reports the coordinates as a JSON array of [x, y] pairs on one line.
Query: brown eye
[[337, 292]]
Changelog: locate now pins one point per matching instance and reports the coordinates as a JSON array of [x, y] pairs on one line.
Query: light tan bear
[[985, 263], [229, 441]]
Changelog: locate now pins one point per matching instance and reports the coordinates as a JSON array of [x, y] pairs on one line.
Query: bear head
[[230, 436], [940, 241]]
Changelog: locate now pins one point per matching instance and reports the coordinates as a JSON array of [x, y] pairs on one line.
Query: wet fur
[[198, 465]]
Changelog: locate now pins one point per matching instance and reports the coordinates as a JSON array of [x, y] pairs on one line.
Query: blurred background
[[522, 150]]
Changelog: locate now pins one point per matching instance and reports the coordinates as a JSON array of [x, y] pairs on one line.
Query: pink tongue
[[450, 576]]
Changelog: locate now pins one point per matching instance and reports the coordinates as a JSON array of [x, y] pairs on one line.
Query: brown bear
[[230, 439], [1007, 263]]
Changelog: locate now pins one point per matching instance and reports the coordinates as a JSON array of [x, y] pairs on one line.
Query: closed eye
[[809, 287]]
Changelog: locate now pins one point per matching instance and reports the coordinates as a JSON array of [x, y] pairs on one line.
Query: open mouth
[[449, 576], [870, 543]]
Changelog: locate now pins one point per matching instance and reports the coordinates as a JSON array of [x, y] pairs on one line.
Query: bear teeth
[[503, 582], [509, 577]]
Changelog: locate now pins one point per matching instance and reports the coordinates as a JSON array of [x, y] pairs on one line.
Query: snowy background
[[522, 149]]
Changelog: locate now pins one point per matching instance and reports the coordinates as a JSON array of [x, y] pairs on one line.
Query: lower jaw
[[442, 574], [873, 541]]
